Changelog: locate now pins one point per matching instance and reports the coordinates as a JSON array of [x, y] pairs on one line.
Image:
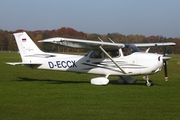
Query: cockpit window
[[129, 49]]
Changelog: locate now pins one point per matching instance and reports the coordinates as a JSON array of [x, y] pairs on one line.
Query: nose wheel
[[148, 82]]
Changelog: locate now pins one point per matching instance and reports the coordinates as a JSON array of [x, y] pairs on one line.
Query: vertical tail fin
[[25, 45]]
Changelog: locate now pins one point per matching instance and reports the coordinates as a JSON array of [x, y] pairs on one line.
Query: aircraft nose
[[163, 58]]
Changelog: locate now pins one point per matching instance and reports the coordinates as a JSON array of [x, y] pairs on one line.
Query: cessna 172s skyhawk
[[106, 58]]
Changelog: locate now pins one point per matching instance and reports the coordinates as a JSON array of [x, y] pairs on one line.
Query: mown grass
[[39, 94]]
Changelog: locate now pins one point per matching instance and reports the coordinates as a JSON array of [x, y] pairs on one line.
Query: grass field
[[29, 94]]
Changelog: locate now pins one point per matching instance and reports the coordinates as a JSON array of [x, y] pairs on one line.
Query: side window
[[100, 54], [113, 53], [96, 54]]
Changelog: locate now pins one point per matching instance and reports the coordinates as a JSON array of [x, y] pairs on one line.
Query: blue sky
[[145, 17]]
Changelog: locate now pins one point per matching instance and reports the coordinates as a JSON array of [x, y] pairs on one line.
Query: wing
[[79, 43], [88, 44], [154, 44]]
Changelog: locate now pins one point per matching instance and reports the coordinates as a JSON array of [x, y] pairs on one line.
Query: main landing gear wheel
[[149, 83]]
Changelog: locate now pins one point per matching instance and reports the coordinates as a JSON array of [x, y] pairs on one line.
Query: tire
[[150, 83]]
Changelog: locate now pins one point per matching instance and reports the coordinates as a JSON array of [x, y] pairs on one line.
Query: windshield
[[129, 49]]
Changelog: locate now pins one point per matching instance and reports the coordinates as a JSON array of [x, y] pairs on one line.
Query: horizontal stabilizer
[[14, 63], [31, 65], [22, 63]]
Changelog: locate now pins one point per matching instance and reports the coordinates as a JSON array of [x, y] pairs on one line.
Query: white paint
[[99, 81]]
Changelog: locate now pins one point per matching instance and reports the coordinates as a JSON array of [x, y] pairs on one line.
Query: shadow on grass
[[49, 81], [115, 82], [24, 79]]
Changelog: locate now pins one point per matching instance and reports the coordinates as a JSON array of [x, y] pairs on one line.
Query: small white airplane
[[105, 59]]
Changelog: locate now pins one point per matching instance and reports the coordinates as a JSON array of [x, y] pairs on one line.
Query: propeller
[[165, 58]]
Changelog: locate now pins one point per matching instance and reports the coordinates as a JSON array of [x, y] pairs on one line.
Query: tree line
[[7, 41]]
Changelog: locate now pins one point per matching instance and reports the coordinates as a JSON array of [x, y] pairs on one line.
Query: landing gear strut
[[148, 82]]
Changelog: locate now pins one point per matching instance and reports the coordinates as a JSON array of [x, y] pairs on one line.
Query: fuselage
[[107, 58], [135, 64]]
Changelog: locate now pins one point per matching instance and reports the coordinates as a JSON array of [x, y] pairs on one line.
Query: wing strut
[[112, 59], [111, 40]]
